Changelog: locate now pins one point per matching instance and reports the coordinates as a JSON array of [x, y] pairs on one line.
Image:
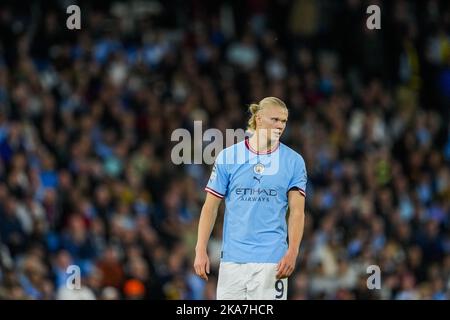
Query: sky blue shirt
[[255, 188]]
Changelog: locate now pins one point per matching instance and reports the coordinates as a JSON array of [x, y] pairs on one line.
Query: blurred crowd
[[86, 118]]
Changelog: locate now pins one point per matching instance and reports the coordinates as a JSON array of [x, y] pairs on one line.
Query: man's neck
[[261, 144]]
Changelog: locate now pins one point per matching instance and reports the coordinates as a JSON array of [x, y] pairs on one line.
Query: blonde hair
[[254, 108]]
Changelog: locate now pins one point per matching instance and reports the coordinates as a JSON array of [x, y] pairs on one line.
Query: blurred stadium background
[[86, 117]]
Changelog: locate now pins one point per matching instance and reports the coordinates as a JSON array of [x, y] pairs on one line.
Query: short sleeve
[[218, 181], [299, 176]]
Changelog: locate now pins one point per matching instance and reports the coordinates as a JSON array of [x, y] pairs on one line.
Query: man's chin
[[275, 139]]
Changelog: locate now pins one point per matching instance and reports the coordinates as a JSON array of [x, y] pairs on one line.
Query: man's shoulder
[[233, 148], [229, 154]]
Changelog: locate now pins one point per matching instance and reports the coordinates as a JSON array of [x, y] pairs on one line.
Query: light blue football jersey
[[255, 188]]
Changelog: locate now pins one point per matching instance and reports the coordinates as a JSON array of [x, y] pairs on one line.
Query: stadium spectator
[[86, 118]]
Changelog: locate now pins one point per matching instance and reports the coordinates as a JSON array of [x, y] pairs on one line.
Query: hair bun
[[254, 107]]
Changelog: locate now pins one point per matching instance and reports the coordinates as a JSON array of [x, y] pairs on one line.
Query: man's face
[[272, 121]]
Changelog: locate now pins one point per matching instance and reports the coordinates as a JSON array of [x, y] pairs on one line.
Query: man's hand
[[201, 264], [286, 265]]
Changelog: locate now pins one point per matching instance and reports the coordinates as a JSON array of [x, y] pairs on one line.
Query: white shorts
[[250, 281]]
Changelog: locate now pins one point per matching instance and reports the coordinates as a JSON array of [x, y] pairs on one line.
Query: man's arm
[[296, 225], [205, 226]]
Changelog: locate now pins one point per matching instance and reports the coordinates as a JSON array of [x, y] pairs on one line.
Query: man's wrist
[[200, 249]]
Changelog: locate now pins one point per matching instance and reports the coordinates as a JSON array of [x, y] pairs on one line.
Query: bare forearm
[[205, 226], [296, 225]]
